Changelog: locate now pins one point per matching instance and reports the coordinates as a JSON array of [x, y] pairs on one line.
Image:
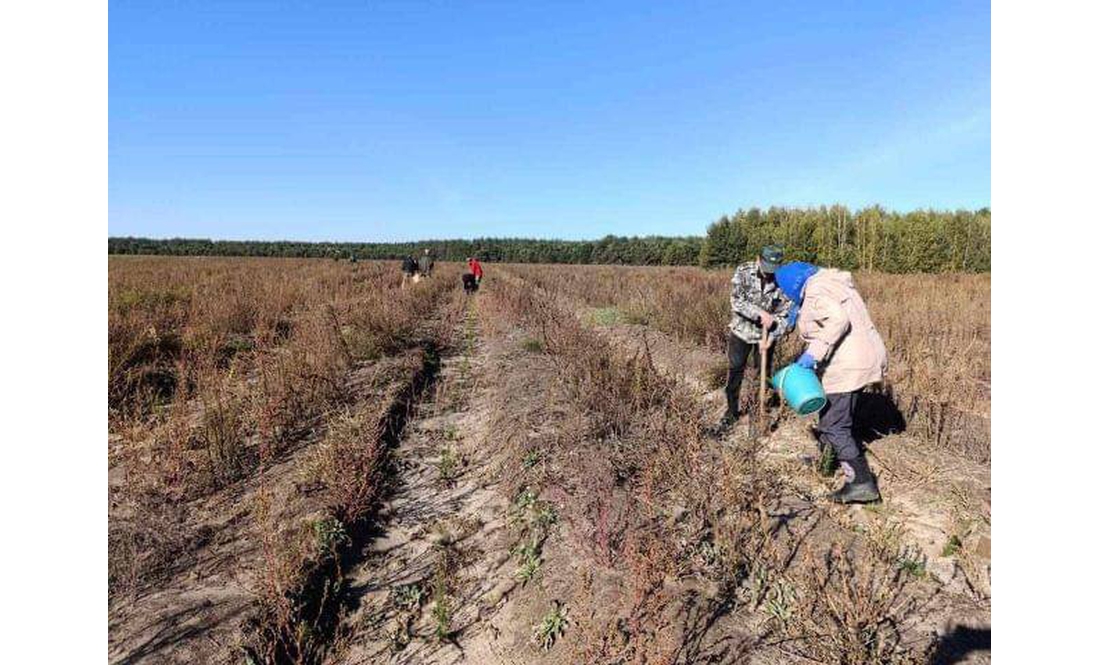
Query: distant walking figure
[[472, 279], [424, 266], [408, 270]]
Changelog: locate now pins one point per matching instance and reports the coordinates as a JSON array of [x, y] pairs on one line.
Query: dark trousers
[[834, 424], [738, 352], [469, 282]]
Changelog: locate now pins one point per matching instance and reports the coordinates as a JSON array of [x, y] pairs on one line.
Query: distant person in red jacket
[[475, 268], [472, 279]]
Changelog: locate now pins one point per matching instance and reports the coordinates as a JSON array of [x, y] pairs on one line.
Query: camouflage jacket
[[424, 264], [749, 296]]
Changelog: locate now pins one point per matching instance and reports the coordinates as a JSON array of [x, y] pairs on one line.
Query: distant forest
[[868, 239]]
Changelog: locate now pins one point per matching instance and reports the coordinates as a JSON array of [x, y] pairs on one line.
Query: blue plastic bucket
[[800, 388]]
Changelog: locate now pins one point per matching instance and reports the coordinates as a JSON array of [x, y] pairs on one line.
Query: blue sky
[[360, 120]]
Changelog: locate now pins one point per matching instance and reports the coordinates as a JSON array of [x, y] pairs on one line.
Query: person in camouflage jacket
[[756, 305]]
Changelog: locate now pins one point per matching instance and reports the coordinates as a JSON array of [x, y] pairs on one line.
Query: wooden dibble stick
[[762, 406]]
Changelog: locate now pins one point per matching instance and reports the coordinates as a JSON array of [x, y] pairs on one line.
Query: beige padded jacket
[[837, 328]]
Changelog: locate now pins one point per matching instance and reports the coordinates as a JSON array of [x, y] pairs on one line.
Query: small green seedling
[[912, 562], [329, 533], [952, 546], [531, 459], [530, 561], [526, 499], [408, 596], [545, 516], [552, 626]]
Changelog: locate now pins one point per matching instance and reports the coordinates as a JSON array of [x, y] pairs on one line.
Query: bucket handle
[[783, 379]]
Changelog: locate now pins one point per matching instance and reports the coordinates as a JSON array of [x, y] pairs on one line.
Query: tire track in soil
[[441, 535]]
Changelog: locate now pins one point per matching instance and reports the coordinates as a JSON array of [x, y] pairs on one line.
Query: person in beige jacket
[[845, 349]]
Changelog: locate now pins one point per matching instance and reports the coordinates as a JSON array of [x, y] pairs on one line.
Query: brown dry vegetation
[[219, 369], [696, 535], [936, 329], [639, 537]]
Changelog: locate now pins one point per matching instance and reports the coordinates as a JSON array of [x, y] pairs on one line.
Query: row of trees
[[868, 239], [649, 250]]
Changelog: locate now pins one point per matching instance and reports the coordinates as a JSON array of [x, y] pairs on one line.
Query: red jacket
[[475, 268]]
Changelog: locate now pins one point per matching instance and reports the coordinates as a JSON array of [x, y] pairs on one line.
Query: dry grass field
[[310, 464]]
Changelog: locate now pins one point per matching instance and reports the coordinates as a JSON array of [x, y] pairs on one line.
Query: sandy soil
[[446, 514]]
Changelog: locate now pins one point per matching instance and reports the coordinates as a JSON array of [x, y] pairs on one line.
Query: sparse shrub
[[605, 316], [912, 561], [329, 534], [222, 434], [441, 600], [845, 612], [448, 465], [347, 462]]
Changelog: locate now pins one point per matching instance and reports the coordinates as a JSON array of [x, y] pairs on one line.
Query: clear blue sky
[[361, 120]]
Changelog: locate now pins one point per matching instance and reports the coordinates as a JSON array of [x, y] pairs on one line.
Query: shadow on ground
[[961, 642]]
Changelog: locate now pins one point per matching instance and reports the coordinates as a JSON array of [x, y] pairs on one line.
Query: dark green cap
[[770, 258]]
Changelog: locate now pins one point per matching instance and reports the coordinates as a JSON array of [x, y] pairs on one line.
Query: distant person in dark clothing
[[408, 269]]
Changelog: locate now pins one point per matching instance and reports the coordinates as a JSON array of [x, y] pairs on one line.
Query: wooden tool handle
[[763, 380]]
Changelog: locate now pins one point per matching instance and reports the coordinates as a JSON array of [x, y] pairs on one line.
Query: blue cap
[[792, 278]]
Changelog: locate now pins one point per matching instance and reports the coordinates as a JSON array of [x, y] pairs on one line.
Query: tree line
[[648, 250], [867, 239]]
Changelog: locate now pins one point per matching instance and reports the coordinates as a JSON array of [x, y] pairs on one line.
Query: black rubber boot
[[860, 486], [857, 493], [727, 422]]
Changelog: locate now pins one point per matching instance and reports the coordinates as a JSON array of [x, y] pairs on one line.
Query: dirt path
[[440, 560]]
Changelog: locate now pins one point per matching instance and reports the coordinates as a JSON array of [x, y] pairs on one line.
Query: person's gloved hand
[[806, 360]]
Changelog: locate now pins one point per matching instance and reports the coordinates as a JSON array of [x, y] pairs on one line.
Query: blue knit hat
[[792, 278]]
